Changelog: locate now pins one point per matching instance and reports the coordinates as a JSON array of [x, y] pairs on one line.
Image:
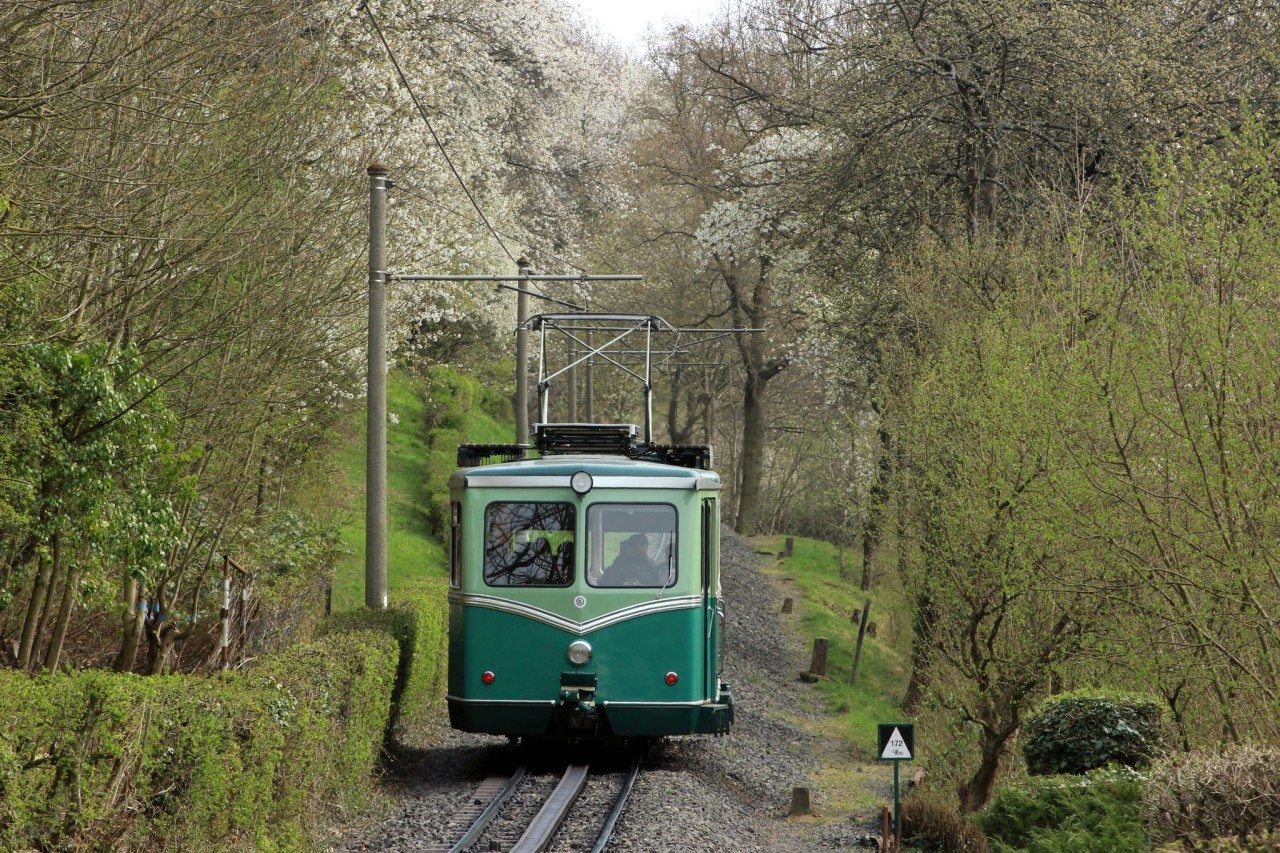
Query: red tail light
[[672, 678], [487, 678]]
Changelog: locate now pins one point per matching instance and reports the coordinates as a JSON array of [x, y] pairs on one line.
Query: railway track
[[534, 812]]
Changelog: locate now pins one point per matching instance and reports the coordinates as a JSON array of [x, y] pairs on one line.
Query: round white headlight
[[579, 652], [581, 483]]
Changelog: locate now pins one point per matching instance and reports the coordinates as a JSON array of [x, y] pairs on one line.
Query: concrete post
[[375, 558]]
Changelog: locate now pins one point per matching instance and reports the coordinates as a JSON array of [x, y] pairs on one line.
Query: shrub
[[1100, 811], [342, 685], [929, 823], [1266, 841], [99, 761], [1202, 796], [419, 623], [1077, 733]]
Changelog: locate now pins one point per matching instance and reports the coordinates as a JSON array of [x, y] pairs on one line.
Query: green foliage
[[422, 457], [418, 620], [1080, 732], [238, 761], [342, 684], [88, 458], [1100, 812], [1205, 795]]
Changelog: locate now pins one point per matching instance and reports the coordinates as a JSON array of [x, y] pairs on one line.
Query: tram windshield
[[631, 545], [529, 544]]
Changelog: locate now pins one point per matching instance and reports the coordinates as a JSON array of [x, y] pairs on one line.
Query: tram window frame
[[594, 557], [501, 577]]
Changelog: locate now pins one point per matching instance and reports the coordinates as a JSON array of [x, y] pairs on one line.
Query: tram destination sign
[[897, 741]]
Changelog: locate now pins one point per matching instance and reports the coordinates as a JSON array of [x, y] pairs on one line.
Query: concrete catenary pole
[[375, 558], [522, 353]]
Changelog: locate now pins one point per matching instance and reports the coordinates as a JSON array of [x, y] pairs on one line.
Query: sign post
[[896, 742]]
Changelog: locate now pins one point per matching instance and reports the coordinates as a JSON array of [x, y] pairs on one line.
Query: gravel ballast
[[695, 793]]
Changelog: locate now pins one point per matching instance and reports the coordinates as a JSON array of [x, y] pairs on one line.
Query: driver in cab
[[633, 566]]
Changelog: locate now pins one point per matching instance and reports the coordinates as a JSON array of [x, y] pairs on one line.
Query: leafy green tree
[[102, 472]]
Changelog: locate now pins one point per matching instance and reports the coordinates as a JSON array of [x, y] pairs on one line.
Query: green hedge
[[419, 623], [97, 761]]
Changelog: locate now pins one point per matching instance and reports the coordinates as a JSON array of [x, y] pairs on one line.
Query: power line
[[404, 81], [421, 196]]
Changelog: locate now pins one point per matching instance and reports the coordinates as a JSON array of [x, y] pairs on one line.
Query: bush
[[930, 824], [337, 707], [1100, 811], [419, 623], [1263, 842], [100, 761], [1077, 733], [1202, 796]]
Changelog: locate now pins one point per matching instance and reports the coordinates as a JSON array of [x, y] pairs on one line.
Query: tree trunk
[[64, 615], [921, 638], [131, 630], [753, 422], [34, 608], [159, 643], [975, 793], [877, 503]]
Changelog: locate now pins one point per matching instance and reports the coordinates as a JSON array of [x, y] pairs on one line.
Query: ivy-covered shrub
[[442, 461], [1076, 733], [450, 401], [1099, 812], [1201, 795]]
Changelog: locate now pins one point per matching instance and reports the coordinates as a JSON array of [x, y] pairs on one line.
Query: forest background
[[1015, 263]]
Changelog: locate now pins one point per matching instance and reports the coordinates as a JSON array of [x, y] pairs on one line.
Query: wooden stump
[[791, 547], [787, 605], [799, 802], [818, 663]]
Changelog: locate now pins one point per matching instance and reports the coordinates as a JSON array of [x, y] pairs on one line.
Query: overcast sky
[[625, 21]]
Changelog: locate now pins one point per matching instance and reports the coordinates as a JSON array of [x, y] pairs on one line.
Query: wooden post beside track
[[818, 663]]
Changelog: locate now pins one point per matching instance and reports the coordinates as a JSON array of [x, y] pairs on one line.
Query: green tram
[[585, 588]]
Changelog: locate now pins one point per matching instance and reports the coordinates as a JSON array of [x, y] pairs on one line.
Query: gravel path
[[697, 793]]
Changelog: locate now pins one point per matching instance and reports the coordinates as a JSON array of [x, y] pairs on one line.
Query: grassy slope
[[824, 601], [411, 552]]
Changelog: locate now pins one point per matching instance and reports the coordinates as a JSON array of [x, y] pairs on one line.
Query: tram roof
[[607, 471]]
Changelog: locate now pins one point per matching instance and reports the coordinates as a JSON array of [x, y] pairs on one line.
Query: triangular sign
[[896, 748]]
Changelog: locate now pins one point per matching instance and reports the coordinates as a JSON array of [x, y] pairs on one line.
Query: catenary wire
[[404, 80]]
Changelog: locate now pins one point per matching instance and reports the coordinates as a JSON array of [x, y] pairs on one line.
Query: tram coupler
[[576, 707]]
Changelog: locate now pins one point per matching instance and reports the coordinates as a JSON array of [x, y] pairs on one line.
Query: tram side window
[[455, 543], [528, 544], [631, 545]]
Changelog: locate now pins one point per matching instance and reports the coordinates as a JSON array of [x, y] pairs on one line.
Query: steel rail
[[485, 817], [606, 831], [544, 825]]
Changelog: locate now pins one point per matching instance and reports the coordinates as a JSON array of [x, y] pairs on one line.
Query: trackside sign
[[897, 741]]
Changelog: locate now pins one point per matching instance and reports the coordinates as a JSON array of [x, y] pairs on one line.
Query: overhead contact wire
[[404, 81]]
